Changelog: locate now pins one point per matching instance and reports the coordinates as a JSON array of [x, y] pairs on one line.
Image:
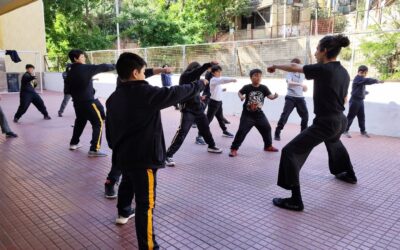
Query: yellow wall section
[[24, 29]]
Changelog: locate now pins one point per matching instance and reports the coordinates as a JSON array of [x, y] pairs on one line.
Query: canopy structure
[[10, 5]]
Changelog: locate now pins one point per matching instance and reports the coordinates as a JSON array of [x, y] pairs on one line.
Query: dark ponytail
[[333, 44]]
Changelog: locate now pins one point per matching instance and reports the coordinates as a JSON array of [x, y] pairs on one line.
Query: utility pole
[[117, 15]]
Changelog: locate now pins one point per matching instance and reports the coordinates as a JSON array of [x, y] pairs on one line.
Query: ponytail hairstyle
[[333, 45]]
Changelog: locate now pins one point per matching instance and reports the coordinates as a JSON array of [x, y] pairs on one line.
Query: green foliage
[[383, 52], [90, 24], [176, 22], [345, 54], [79, 24]]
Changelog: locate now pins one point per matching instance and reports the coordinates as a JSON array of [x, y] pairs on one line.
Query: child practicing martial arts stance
[[135, 134], [28, 95], [215, 103], [192, 111], [356, 103], [252, 114], [294, 99], [331, 82]]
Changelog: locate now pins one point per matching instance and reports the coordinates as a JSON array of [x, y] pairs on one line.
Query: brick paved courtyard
[[53, 198]]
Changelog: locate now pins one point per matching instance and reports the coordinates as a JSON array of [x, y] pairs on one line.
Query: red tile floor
[[52, 198]]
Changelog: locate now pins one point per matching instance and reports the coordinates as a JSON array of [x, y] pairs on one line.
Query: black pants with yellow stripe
[[141, 185], [94, 113]]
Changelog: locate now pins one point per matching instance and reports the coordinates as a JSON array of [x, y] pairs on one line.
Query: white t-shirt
[[295, 90], [216, 88]]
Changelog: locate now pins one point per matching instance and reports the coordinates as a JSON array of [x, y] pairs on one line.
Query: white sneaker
[[75, 147], [215, 150], [123, 220], [169, 162]]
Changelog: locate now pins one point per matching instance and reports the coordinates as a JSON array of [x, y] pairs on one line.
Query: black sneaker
[[121, 220], [365, 134], [347, 134], [16, 120], [109, 191], [11, 135], [200, 141], [215, 150], [227, 134], [277, 137], [47, 117], [346, 177], [59, 114], [288, 203]]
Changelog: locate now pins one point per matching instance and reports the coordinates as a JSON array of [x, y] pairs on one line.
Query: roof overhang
[[10, 5]]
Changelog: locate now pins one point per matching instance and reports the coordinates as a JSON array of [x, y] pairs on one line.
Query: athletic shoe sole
[[214, 151], [75, 147], [123, 220]]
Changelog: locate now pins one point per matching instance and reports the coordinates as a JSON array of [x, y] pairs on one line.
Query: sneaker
[[214, 149], [271, 149], [121, 220], [226, 121], [59, 114], [170, 162], [365, 134], [194, 125], [16, 120], [233, 153], [96, 154], [288, 203], [227, 134], [47, 117], [200, 141], [347, 134], [352, 179], [109, 191], [11, 135], [75, 146]]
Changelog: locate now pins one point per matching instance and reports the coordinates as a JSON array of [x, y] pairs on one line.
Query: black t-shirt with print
[[254, 97], [331, 84]]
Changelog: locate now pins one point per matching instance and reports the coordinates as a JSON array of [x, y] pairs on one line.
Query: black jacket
[[133, 126], [358, 88], [188, 77], [79, 80], [207, 91], [64, 76], [28, 84]]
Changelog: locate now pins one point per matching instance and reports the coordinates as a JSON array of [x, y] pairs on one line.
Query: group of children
[[133, 115]]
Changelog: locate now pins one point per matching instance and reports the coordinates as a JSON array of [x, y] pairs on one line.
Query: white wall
[[382, 105]]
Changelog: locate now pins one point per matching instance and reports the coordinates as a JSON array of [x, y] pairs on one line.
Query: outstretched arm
[[166, 97], [292, 67]]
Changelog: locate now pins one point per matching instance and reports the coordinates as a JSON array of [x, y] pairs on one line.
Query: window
[[265, 13]]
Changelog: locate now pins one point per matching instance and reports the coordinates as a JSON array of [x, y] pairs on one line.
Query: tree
[[383, 49], [83, 24]]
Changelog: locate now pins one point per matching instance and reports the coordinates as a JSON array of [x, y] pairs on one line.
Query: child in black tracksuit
[[135, 134], [28, 95], [87, 108], [252, 115], [192, 111], [67, 95], [357, 100]]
